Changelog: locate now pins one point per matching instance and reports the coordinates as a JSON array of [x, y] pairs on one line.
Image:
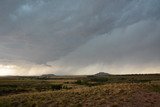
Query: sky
[[79, 37]]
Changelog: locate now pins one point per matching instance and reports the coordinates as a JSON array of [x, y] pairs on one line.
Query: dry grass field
[[115, 91]]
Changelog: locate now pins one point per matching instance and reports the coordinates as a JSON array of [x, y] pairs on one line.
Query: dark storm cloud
[[138, 43], [80, 32]]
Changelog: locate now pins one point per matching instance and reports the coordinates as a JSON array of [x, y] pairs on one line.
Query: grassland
[[81, 91]]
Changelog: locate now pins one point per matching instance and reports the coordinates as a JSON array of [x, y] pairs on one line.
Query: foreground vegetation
[[86, 91]]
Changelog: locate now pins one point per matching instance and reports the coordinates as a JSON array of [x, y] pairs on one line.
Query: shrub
[[56, 86], [66, 87], [98, 79], [155, 88], [78, 82]]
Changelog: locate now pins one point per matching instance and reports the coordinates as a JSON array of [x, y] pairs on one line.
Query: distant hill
[[48, 75], [101, 74]]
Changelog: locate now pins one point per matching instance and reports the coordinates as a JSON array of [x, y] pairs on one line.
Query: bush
[[82, 82], [66, 87], [56, 86], [98, 79], [78, 82], [155, 88]]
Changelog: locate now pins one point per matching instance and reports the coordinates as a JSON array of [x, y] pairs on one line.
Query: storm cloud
[[80, 37]]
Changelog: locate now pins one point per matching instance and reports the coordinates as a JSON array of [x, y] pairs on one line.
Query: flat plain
[[140, 90]]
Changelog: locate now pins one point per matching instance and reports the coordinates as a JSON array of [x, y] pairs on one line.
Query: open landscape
[[79, 53], [81, 91]]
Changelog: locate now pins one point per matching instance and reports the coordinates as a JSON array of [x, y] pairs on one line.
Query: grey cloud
[[134, 45], [41, 31], [139, 41]]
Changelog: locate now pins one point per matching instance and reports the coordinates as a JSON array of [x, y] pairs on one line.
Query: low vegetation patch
[[78, 91]]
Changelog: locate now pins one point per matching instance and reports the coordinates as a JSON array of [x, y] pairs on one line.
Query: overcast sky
[[79, 36]]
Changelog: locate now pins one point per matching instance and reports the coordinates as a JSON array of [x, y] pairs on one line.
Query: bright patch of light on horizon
[[7, 70]]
